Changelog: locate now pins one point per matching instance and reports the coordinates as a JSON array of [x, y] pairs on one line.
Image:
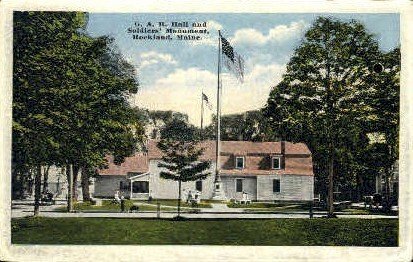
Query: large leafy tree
[[181, 162], [34, 131], [385, 117], [245, 126], [70, 99], [326, 97], [178, 129]]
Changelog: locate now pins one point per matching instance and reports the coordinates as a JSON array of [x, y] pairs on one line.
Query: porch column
[[130, 195]]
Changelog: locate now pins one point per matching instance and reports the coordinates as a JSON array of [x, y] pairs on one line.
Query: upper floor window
[[239, 162], [276, 162]]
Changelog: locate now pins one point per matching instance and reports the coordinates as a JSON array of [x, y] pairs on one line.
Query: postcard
[[206, 131]]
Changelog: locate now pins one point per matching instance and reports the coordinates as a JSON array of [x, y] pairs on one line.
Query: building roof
[[241, 148], [137, 163], [257, 155]]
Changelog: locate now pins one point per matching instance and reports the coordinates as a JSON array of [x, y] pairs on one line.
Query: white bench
[[244, 200]]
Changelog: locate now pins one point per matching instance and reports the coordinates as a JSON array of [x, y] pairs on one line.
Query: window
[[140, 187], [238, 183], [276, 162], [276, 185], [239, 162], [198, 185]]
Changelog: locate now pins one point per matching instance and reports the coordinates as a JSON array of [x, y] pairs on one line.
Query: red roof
[[137, 163], [239, 148], [298, 159]]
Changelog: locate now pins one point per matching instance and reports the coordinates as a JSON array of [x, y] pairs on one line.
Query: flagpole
[[218, 131], [202, 115]]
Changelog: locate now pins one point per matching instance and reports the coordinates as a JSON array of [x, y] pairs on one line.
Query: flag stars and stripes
[[227, 49], [234, 61], [205, 98]]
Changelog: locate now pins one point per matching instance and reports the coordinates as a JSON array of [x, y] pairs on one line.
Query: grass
[[110, 206], [277, 232], [362, 211], [268, 205], [174, 203]]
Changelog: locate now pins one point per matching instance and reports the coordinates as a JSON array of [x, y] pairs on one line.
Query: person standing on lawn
[[122, 204]]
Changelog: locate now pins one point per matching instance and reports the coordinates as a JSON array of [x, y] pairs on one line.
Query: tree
[[325, 97], [71, 92], [178, 129], [34, 140], [245, 126], [181, 163], [385, 117]]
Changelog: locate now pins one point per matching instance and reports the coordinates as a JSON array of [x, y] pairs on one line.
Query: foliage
[[178, 129], [329, 98], [180, 162], [71, 91], [245, 126], [165, 124]]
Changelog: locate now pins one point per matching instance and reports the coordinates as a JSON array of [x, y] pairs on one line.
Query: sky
[[172, 74]]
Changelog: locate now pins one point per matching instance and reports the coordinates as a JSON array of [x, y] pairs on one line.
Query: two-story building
[[266, 171]]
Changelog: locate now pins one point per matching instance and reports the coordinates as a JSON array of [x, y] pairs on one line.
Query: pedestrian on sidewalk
[[122, 204]]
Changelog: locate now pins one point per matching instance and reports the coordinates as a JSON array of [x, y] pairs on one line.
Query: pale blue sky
[[172, 74]]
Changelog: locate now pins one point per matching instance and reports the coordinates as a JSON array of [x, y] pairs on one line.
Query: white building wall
[[249, 186], [293, 187], [106, 186], [168, 189], [260, 188]]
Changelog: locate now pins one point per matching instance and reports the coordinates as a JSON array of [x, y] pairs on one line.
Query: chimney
[[282, 154]]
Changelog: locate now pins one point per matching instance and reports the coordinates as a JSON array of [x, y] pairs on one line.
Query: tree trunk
[[386, 203], [22, 182], [74, 182], [85, 184], [179, 198], [360, 188], [330, 201], [330, 141], [45, 179], [37, 189], [69, 175]]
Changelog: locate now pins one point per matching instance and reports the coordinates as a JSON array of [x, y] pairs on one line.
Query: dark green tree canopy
[[330, 96], [181, 160], [70, 94], [71, 91], [247, 126], [179, 130]]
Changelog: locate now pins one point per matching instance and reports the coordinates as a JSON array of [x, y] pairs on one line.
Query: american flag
[[227, 49], [205, 98], [234, 61]]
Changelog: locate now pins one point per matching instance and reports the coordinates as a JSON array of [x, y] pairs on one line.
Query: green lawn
[[110, 206], [277, 232], [270, 206], [174, 203]]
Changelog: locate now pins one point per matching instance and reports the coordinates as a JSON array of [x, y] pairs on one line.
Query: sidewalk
[[218, 211]]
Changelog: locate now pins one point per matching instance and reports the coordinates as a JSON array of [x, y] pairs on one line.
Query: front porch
[[140, 187]]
